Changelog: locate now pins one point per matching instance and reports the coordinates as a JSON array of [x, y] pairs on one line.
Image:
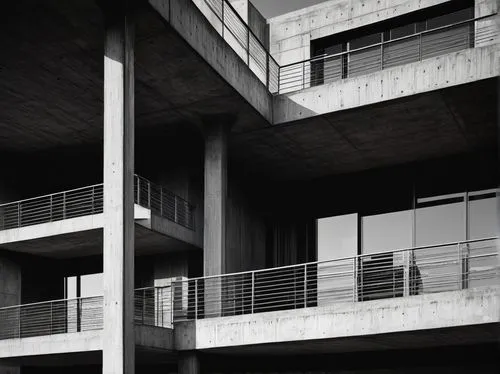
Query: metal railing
[[152, 308], [164, 202], [412, 48], [236, 32], [406, 272], [89, 200], [55, 207]]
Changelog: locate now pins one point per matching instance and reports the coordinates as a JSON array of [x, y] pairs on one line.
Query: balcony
[[417, 47], [89, 201], [152, 308], [388, 275]]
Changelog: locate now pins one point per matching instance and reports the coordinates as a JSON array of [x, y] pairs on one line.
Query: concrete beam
[[416, 313], [118, 251], [466, 66]]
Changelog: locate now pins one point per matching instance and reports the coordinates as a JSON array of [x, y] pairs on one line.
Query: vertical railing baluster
[[420, 47], [460, 267], [51, 208], [253, 292], [354, 280], [64, 205], [195, 299], [305, 285], [223, 21], [303, 75], [149, 194], [51, 319], [143, 306], [406, 273], [19, 215], [138, 192]]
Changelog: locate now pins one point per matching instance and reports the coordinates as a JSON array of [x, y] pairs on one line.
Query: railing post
[[223, 23], [51, 319], [406, 272], [19, 215], [354, 280], [305, 285], [138, 193], [303, 75], [382, 56], [64, 205], [267, 70], [93, 199], [420, 47], [78, 315], [253, 291], [195, 299], [248, 47], [149, 194], [143, 306], [161, 201], [176, 202]]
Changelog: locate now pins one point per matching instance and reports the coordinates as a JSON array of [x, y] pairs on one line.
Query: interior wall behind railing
[[291, 33]]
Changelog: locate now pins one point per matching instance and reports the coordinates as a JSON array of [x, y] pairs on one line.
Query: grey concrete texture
[[474, 307]]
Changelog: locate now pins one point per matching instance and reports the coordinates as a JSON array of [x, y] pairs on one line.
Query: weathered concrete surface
[[146, 337], [191, 24], [434, 311], [154, 338], [43, 230], [291, 33], [432, 74], [71, 225], [52, 344]]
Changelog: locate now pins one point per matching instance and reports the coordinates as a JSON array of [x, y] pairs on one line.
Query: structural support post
[[214, 240], [118, 252], [188, 363]]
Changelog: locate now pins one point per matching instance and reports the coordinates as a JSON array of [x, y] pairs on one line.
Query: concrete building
[[189, 188]]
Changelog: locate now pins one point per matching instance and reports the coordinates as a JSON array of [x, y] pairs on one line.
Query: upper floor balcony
[[81, 210]]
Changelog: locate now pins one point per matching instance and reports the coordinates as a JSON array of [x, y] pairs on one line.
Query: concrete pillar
[[188, 363], [118, 251], [214, 231], [10, 294]]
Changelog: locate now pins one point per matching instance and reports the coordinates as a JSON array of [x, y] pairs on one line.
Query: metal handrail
[[293, 76], [403, 272], [151, 305], [250, 35], [88, 200]]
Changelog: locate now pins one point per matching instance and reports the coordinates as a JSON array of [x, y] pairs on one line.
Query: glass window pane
[[402, 31], [70, 287], [337, 237], [483, 218], [440, 267], [440, 224], [91, 285], [387, 232], [365, 41], [451, 18]]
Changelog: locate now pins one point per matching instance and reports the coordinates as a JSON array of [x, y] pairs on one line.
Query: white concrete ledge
[[433, 311], [51, 344], [435, 73], [147, 337], [43, 230]]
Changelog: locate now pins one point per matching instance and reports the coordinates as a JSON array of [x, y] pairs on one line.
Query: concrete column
[[118, 251], [188, 363], [10, 294], [214, 233]]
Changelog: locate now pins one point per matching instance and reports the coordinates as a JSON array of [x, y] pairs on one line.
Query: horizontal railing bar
[[342, 259]]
